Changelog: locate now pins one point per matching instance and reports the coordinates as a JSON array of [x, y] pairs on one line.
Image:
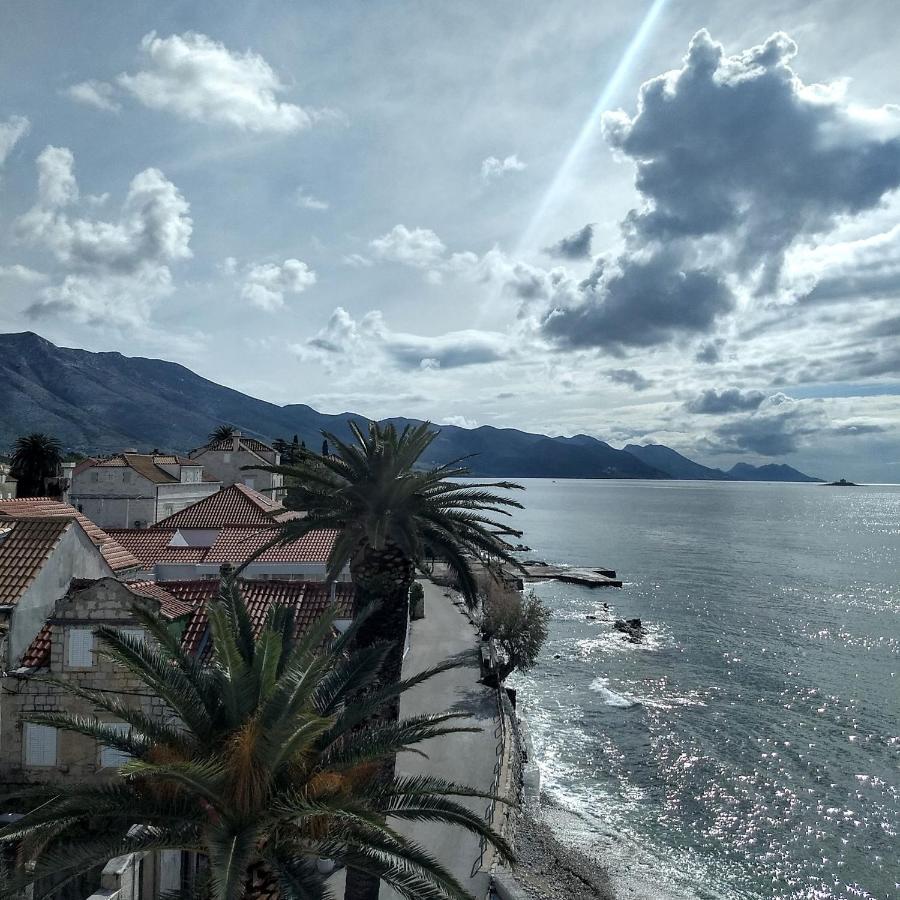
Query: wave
[[611, 698]]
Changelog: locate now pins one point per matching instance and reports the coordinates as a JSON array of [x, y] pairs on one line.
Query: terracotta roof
[[24, 548], [151, 546], [146, 464], [169, 605], [116, 556], [234, 505], [227, 445], [234, 545], [308, 599], [38, 653]]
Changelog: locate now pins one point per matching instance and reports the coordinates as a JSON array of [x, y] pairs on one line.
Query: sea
[[748, 748]]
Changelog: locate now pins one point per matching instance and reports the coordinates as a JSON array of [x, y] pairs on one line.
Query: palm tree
[[36, 461], [389, 516], [262, 767], [222, 433]]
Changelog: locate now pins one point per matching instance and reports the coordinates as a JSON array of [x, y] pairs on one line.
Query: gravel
[[548, 870]]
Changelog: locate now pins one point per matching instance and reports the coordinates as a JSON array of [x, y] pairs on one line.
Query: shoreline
[[547, 869]]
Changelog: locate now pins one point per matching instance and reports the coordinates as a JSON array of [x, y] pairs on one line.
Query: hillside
[[678, 466], [770, 472], [103, 402], [106, 402]]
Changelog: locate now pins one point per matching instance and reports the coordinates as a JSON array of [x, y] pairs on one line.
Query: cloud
[[198, 79], [737, 160], [357, 261], [11, 132], [574, 246], [713, 402], [265, 284], [22, 274], [630, 377], [493, 168], [640, 301], [308, 201], [369, 339], [459, 422], [108, 271], [99, 94], [709, 352], [780, 426], [417, 247]]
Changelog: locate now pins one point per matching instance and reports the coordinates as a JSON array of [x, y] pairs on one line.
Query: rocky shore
[[548, 870]]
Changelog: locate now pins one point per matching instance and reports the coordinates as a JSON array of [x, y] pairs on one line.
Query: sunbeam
[[560, 181]]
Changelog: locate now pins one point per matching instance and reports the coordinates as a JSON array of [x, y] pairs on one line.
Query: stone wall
[[106, 602]]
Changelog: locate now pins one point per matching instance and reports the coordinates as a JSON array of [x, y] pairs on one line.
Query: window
[[249, 481], [136, 634], [40, 745], [81, 648], [226, 457], [111, 757], [95, 477], [126, 476]]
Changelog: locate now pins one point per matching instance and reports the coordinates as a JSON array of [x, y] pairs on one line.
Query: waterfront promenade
[[469, 758]]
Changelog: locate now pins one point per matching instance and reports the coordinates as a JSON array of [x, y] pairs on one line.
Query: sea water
[[748, 747]]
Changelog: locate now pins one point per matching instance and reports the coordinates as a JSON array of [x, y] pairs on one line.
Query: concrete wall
[[74, 557], [172, 498], [122, 497], [107, 602], [119, 498], [227, 467]]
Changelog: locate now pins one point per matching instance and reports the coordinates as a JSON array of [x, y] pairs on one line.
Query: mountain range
[[107, 402]]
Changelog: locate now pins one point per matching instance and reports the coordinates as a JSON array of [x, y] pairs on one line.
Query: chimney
[[236, 442]]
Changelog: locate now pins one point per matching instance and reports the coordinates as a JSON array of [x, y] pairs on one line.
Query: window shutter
[[81, 648], [40, 745], [136, 634], [110, 757]]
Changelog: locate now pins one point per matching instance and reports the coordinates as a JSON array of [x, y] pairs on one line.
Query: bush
[[518, 626]]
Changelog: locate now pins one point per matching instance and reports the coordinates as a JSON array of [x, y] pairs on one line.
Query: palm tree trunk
[[382, 576]]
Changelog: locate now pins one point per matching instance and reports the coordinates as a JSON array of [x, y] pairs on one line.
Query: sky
[[647, 222]]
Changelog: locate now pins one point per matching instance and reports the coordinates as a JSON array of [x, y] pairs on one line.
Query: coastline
[[547, 869]]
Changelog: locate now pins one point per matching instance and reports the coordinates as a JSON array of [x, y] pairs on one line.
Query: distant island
[[107, 402], [842, 483]]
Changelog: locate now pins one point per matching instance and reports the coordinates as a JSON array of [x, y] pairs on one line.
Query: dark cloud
[[736, 160], [574, 246], [710, 352], [728, 401], [631, 377], [640, 302], [779, 427]]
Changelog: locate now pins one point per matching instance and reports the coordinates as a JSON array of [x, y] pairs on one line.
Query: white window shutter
[[136, 634], [81, 648], [111, 757], [40, 745]]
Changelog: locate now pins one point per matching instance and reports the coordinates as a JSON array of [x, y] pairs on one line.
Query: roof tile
[[24, 548], [234, 505], [116, 556]]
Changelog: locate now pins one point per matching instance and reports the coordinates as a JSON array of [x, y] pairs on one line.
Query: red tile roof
[[38, 653], [309, 600], [25, 545], [169, 605], [234, 505], [234, 545], [227, 445], [116, 556], [146, 464]]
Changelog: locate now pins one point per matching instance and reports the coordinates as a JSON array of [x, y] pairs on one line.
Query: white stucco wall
[[74, 557], [227, 466], [119, 498]]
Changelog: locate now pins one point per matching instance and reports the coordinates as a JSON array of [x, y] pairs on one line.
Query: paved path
[[469, 758]]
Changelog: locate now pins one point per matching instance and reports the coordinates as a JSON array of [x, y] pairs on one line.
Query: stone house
[[38, 559], [226, 459], [134, 490], [66, 648]]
